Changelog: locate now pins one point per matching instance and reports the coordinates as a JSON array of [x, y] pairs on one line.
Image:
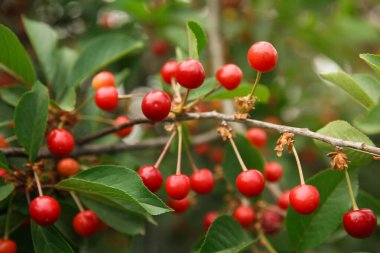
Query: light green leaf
[[343, 130], [101, 52], [69, 100], [353, 88], [44, 41], [49, 240], [116, 183], [208, 85], [197, 39], [12, 94], [373, 60], [369, 123], [225, 235], [262, 93], [31, 119], [309, 231], [370, 85], [14, 59]]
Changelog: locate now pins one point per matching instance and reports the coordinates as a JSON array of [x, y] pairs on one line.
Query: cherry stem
[[176, 88], [165, 150], [258, 76], [350, 191], [84, 103], [27, 195], [10, 138], [264, 241], [189, 105], [298, 165], [178, 170], [60, 125], [77, 201], [190, 157], [38, 183], [238, 154], [184, 100], [8, 217], [128, 96], [96, 119]]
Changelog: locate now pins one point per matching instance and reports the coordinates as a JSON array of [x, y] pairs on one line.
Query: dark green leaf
[[343, 130], [5, 191], [369, 123], [308, 231], [225, 235], [196, 38], [3, 161], [49, 240], [14, 59], [353, 88], [250, 155], [101, 52], [44, 41], [64, 223], [12, 94], [31, 119], [373, 60], [262, 93], [365, 200], [118, 183]]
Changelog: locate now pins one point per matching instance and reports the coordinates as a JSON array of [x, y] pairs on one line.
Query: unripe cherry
[[3, 142], [103, 79], [67, 167], [151, 177]]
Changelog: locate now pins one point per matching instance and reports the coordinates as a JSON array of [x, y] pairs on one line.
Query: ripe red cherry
[[257, 137], [271, 221], [245, 215], [209, 218], [103, 79], [125, 131], [3, 173], [179, 206], [3, 142], [67, 167], [229, 76], [304, 199], [202, 181], [151, 177], [273, 171], [217, 155], [86, 223], [202, 148], [283, 200], [107, 98], [360, 223], [44, 210], [250, 183], [160, 47], [7, 246], [262, 56], [168, 71], [190, 74], [60, 142], [177, 186], [156, 105]]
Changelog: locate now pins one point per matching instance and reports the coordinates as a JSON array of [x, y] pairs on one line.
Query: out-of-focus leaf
[[5, 191], [208, 85], [370, 85], [369, 123], [12, 94], [68, 101], [3, 161], [262, 93], [365, 200], [373, 60]]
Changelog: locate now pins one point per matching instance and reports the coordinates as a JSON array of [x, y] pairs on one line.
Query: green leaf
[[14, 59], [5, 191], [44, 41], [119, 219], [343, 130], [117, 183], [49, 240], [64, 223], [353, 88], [250, 155], [373, 60], [206, 87], [225, 235], [196, 38], [11, 94], [69, 100], [369, 84], [369, 123], [365, 200], [262, 93], [101, 52], [31, 119], [3, 161], [309, 231]]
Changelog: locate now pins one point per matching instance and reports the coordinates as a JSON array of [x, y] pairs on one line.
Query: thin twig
[[190, 157], [242, 164], [165, 150]]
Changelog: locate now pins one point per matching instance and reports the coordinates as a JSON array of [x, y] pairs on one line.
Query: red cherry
[[202, 148], [283, 200], [3, 142], [156, 105], [107, 98], [7, 246], [177, 186], [44, 210], [245, 215], [262, 56], [125, 131], [273, 171], [60, 142], [202, 181], [250, 183], [190, 74], [360, 223], [86, 223], [151, 177], [168, 71], [257, 137], [209, 218], [179, 206], [160, 47], [67, 167], [304, 199], [229, 76], [103, 79], [217, 155], [3, 173], [271, 222]]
